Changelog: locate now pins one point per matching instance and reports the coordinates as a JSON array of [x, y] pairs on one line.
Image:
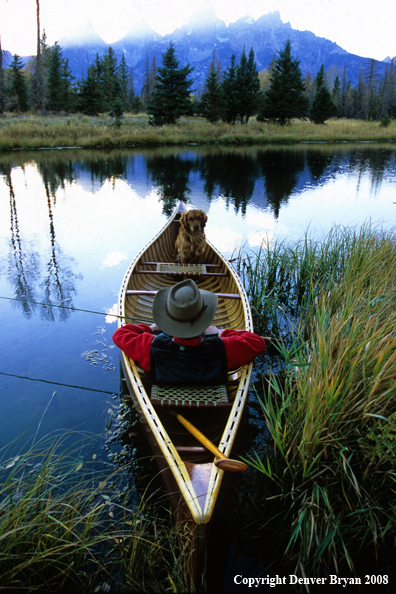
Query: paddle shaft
[[199, 436]]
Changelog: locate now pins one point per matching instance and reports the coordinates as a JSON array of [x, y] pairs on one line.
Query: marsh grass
[[329, 485], [66, 525], [33, 132]]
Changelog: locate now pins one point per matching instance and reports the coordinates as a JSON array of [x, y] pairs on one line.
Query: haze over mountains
[[204, 33]]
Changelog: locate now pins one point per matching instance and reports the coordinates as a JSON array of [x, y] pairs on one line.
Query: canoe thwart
[[175, 263], [189, 396]]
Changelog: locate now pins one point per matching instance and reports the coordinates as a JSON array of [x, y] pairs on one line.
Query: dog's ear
[[205, 218], [182, 219]]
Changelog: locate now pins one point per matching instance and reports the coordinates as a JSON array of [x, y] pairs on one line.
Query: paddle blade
[[230, 465]]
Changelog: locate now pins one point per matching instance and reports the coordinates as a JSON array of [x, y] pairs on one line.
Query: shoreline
[[33, 132]]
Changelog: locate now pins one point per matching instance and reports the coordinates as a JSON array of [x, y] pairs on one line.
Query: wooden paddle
[[222, 462]]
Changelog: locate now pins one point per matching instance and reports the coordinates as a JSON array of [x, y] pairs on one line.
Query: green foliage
[[329, 485], [171, 96], [212, 101], [17, 87], [285, 98], [323, 106]]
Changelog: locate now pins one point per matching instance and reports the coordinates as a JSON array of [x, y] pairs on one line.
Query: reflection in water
[[24, 270], [266, 176]]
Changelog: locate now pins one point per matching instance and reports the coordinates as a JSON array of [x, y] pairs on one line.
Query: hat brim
[[183, 329]]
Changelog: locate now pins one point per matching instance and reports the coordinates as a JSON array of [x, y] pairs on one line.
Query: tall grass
[[34, 131], [330, 478], [59, 532]]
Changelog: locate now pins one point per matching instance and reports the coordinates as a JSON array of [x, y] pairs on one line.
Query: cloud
[[114, 259]]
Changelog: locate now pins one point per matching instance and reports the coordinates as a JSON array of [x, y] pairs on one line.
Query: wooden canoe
[[190, 477]]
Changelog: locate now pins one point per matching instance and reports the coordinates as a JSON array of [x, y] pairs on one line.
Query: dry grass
[[32, 132]]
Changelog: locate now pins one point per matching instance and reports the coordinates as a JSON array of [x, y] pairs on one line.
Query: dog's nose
[[196, 227]]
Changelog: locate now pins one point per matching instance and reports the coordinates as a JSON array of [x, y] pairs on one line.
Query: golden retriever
[[191, 242]]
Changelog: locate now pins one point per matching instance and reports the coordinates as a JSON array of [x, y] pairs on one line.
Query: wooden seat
[[190, 396]]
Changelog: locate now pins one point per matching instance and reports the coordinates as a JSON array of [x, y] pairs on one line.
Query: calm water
[[72, 220]]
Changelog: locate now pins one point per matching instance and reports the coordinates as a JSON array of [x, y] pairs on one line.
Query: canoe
[[191, 478]]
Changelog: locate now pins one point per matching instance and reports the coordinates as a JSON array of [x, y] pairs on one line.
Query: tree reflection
[[23, 267], [171, 175], [281, 170], [234, 174], [59, 280]]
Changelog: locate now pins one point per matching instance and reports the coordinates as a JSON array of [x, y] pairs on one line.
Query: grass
[[67, 526], [329, 479], [33, 132]]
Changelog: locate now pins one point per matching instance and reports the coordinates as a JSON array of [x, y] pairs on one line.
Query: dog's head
[[193, 220]]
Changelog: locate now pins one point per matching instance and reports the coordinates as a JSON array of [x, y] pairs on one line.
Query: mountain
[[204, 33]]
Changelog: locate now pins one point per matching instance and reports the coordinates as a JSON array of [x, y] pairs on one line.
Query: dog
[[191, 241]]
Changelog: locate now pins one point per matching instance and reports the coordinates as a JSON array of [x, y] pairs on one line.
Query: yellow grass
[[33, 131]]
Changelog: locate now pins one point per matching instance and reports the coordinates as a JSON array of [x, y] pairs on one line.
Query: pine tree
[[229, 90], [247, 87], [17, 88], [211, 105], [111, 83], [124, 81], [55, 85], [323, 106], [171, 96], [90, 96], [285, 99], [3, 97]]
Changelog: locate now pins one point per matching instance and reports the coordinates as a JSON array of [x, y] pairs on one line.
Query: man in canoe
[[182, 347]]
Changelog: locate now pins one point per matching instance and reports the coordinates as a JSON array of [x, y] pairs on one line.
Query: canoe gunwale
[[160, 441]]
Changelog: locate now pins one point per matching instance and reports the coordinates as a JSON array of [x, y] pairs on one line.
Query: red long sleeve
[[241, 346], [135, 341]]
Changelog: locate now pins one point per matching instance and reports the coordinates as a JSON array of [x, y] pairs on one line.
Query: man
[[182, 347]]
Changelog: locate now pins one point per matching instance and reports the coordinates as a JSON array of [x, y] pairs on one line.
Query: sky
[[363, 27]]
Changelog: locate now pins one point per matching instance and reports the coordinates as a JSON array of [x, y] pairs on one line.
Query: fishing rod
[[101, 313], [33, 379]]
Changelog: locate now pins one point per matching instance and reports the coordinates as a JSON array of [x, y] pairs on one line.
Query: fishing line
[[33, 379], [100, 313]]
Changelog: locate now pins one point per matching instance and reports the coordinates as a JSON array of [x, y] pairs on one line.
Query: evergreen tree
[[212, 102], [150, 74], [336, 93], [229, 89], [124, 81], [247, 87], [55, 85], [171, 96], [17, 90], [111, 83], [3, 96], [323, 106], [285, 99], [90, 96]]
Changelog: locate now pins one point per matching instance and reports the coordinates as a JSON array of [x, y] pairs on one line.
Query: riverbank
[[38, 132]]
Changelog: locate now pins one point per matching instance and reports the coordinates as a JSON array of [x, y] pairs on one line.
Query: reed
[[34, 131], [67, 526], [329, 485]]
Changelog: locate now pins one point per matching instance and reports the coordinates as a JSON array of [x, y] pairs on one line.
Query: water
[[72, 220]]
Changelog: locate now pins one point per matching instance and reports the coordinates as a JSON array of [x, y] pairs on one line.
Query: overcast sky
[[363, 27]]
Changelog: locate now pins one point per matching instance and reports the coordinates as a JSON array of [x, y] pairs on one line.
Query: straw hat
[[184, 310]]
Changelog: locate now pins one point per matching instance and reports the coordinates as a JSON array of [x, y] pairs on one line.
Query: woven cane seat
[[172, 268], [189, 396]]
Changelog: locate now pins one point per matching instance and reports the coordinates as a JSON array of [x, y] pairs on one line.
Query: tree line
[[233, 94]]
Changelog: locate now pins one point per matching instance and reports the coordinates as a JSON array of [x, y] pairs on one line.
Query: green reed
[[67, 526], [330, 478]]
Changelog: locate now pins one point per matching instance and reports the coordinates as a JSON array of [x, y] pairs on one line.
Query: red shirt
[[135, 341]]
